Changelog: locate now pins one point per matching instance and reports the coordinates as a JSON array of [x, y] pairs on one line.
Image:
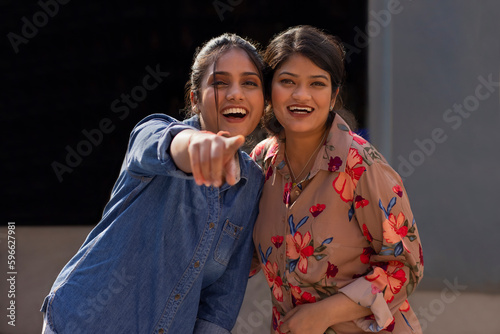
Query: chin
[[237, 130]]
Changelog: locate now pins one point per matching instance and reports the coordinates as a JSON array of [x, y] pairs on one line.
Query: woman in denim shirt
[[171, 255]]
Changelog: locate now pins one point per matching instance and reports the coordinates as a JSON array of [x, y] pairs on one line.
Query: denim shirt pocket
[[227, 242]]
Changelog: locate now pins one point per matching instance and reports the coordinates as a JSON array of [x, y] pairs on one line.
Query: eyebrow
[[228, 74], [311, 76]]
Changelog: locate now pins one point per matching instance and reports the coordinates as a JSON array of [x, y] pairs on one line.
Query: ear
[[194, 101], [334, 98], [193, 98]]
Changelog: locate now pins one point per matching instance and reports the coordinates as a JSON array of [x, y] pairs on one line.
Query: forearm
[[316, 317], [340, 308]]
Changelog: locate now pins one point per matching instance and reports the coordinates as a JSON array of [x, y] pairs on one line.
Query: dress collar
[[332, 156]]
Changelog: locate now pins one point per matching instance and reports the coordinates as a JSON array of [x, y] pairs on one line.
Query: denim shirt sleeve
[[148, 151]]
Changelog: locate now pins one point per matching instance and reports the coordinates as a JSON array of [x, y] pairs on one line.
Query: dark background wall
[[67, 68]]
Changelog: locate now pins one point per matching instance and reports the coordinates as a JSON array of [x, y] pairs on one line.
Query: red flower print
[[276, 321], [405, 307], [367, 233], [286, 193], [257, 151], [297, 248], [332, 270], [315, 210], [391, 326], [357, 138], [346, 182], [299, 298], [277, 241], [394, 229], [398, 190], [272, 151], [421, 254], [391, 279], [361, 202], [274, 280], [269, 173], [334, 164], [365, 256]]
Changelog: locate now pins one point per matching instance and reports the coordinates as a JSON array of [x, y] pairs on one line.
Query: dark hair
[[208, 55], [324, 50]]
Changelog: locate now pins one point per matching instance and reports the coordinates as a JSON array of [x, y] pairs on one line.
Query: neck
[[301, 147]]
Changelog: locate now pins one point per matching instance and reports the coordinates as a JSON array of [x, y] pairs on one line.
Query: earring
[[331, 108]]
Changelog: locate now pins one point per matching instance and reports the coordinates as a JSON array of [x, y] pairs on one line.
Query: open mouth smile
[[301, 110], [234, 113]]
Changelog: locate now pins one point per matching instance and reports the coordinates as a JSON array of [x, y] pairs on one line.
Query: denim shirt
[[168, 256]]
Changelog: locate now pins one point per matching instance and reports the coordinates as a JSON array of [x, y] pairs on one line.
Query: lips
[[234, 112], [300, 109]]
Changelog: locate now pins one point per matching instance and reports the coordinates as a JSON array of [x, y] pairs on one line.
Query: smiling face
[[239, 93], [302, 96]]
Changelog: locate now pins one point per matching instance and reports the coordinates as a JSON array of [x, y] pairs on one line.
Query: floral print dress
[[351, 230]]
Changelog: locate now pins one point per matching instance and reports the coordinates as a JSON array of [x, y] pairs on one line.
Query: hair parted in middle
[[208, 54]]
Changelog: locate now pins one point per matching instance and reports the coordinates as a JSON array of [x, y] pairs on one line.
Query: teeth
[[234, 111], [303, 109]]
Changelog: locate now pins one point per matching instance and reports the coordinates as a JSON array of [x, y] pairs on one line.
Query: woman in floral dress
[[335, 235]]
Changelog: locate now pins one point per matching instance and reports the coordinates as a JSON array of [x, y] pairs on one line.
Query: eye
[[286, 81], [251, 83], [318, 83], [219, 83]]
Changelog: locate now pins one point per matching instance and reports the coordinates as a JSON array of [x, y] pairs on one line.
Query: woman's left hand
[[305, 319]]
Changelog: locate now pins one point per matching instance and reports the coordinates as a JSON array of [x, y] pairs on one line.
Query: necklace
[[307, 163]]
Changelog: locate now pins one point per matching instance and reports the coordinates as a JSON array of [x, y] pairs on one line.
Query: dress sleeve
[[382, 209], [148, 152]]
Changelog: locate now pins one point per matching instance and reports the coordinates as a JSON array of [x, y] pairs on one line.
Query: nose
[[235, 93], [301, 93]]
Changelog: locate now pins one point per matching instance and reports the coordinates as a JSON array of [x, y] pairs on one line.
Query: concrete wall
[[437, 117]]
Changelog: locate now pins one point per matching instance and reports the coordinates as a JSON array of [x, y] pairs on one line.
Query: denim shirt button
[[211, 225], [161, 331], [177, 297], [197, 264]]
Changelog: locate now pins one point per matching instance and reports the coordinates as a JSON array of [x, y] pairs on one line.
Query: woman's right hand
[[211, 158]]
